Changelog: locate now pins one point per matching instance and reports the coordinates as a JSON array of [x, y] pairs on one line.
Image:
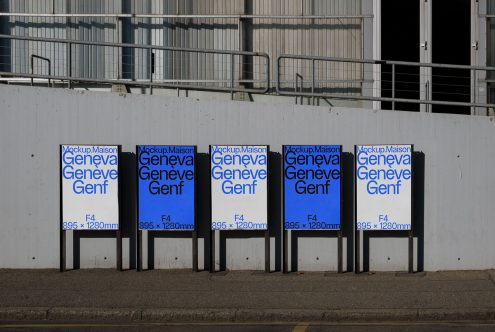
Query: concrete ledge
[[241, 315]]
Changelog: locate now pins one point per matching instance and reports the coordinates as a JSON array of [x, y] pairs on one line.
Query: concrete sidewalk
[[183, 296]]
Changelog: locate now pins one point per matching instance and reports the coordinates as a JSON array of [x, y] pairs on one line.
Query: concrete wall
[[455, 207]]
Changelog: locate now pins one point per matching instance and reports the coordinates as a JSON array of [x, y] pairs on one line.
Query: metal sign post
[[384, 183], [90, 192], [239, 192], [312, 194], [166, 194]]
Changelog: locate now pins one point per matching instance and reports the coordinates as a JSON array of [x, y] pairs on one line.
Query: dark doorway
[[400, 42], [5, 58], [451, 35]]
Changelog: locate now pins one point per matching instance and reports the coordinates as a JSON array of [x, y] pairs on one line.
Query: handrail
[[218, 16], [151, 84], [263, 83], [34, 56], [127, 45], [312, 93]]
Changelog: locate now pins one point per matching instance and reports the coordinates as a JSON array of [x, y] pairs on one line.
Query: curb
[[241, 315]]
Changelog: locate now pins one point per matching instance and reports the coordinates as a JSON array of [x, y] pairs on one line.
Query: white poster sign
[[90, 187], [383, 187], [239, 187]]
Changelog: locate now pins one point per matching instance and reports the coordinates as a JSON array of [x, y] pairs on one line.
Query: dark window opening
[[5, 48], [451, 36], [400, 42], [490, 56]]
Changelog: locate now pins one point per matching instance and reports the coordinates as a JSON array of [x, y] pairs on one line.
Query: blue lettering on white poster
[[90, 187], [239, 187], [383, 187]]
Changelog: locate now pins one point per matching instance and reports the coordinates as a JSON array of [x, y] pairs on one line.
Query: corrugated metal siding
[[331, 37], [94, 61], [87, 61], [38, 27], [206, 33], [323, 37]]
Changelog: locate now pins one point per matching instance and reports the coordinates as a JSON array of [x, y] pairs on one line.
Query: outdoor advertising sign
[[166, 187], [383, 187], [239, 187], [312, 187], [90, 187]]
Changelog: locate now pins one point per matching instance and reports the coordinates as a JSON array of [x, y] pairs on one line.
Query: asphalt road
[[301, 327]]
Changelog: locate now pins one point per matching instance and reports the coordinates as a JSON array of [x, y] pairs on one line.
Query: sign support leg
[[339, 252], [195, 251], [140, 250], [267, 251], [285, 246], [119, 250], [357, 263], [62, 251], [212, 251], [411, 254]]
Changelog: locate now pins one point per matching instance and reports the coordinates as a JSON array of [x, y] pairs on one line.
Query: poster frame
[[118, 231], [286, 233], [407, 233], [194, 231], [266, 231]]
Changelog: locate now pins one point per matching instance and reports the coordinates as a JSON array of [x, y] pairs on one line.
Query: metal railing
[[352, 79], [231, 79], [34, 56], [179, 16], [313, 77]]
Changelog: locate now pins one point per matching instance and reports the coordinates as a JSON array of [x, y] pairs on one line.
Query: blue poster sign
[[166, 187], [312, 187]]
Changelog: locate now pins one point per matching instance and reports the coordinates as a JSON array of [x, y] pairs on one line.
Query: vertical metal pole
[[140, 250], [120, 52], [393, 87], [151, 70], [295, 87], [62, 231], [50, 74], [212, 250], [267, 251], [69, 66], [62, 251], [195, 230], [411, 248], [474, 99], [232, 76], [139, 233], [339, 252], [357, 263], [285, 247], [119, 249], [301, 87], [313, 81], [427, 87], [32, 70], [118, 233], [195, 251]]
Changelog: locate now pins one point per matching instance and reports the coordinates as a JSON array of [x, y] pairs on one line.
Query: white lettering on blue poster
[[312, 187], [166, 186], [90, 187], [239, 187], [383, 187]]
